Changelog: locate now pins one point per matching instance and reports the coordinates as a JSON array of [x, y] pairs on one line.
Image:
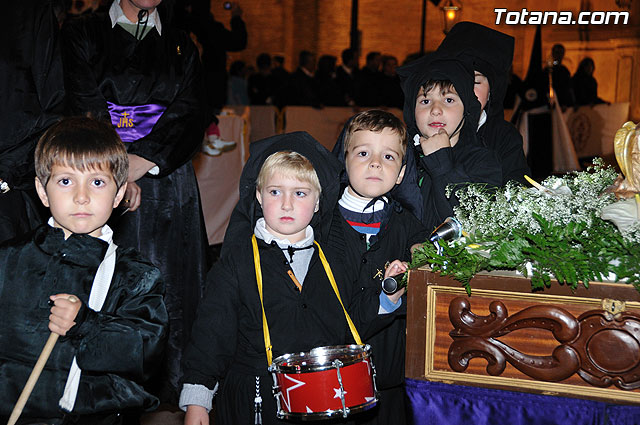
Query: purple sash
[[134, 122]]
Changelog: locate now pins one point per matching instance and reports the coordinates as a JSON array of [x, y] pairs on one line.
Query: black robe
[[585, 88], [108, 64], [492, 54], [216, 41], [365, 268], [302, 89], [227, 343], [387, 334], [466, 162], [562, 84], [31, 93], [398, 233], [117, 348]]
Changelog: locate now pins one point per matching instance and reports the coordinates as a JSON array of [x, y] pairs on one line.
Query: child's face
[[80, 201], [437, 110], [374, 162], [481, 88], [288, 205]]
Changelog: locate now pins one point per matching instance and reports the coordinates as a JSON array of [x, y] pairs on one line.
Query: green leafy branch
[[572, 254]]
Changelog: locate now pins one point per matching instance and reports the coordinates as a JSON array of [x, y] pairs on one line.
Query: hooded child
[[288, 190], [373, 232], [492, 53], [442, 123]]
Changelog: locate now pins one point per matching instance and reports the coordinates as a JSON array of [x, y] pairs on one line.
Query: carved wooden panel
[[602, 348], [504, 336]]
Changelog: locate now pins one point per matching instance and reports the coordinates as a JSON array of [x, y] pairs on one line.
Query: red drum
[[325, 382]]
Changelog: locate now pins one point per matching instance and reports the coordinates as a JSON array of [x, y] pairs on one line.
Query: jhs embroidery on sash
[[133, 122], [124, 121]]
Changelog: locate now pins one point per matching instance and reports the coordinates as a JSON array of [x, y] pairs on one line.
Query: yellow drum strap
[[265, 326]]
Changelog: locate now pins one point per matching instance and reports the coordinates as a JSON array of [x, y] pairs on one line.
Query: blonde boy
[[288, 192]]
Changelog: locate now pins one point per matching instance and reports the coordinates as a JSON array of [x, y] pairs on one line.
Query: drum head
[[321, 358]]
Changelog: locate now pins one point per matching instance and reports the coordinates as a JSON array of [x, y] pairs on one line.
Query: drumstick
[[35, 374]]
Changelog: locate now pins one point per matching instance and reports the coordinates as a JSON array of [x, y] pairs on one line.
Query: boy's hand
[[63, 313], [436, 142], [396, 295], [196, 415], [396, 267]]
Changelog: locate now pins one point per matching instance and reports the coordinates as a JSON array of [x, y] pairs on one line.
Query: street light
[[451, 12]]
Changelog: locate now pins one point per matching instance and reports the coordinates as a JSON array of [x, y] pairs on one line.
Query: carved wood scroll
[[602, 348]]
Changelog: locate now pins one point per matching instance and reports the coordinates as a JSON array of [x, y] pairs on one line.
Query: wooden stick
[[31, 382], [35, 374]]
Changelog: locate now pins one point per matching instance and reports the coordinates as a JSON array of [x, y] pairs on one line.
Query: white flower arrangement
[[556, 229]]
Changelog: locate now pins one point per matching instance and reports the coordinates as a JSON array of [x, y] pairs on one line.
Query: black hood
[[491, 52], [438, 66], [248, 210], [406, 195]]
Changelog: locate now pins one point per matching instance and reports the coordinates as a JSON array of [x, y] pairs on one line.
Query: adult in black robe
[[302, 88], [345, 75], [227, 344], [367, 81], [105, 63], [329, 93], [585, 86], [492, 53], [216, 40], [31, 93], [561, 77], [465, 162]]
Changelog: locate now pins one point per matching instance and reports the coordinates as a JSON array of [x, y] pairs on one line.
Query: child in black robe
[[372, 233], [226, 355], [113, 334], [492, 53], [445, 155]]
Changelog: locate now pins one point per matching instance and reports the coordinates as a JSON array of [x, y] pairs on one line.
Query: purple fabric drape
[[437, 403], [136, 121]]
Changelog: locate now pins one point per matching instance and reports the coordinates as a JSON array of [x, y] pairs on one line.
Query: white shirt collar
[[354, 203], [106, 235], [482, 120], [261, 232], [117, 15]]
